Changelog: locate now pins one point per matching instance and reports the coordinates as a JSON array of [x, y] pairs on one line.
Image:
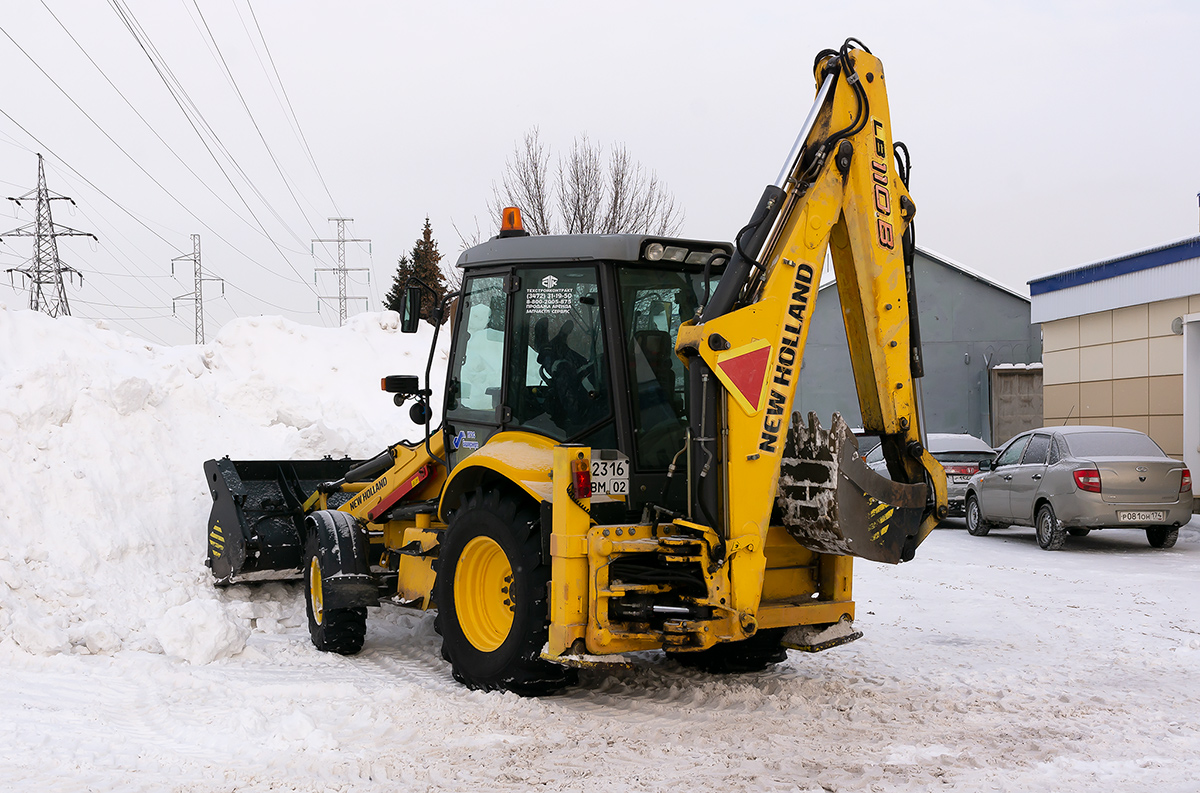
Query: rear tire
[[1050, 532], [340, 631], [755, 654], [976, 526], [1162, 536], [491, 592], [1079, 532]]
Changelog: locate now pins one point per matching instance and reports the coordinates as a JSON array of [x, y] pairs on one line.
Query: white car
[[960, 455]]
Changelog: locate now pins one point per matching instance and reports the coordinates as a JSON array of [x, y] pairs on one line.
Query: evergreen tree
[[423, 263]]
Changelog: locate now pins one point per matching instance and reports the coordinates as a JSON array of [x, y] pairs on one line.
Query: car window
[[1113, 444], [1056, 452], [1013, 452], [1038, 451], [875, 455]]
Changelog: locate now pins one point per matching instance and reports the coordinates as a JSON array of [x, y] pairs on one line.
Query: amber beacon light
[[510, 223]]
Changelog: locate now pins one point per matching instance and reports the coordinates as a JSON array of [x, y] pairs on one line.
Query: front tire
[[1162, 536], [976, 526], [1050, 532], [491, 592], [340, 631]]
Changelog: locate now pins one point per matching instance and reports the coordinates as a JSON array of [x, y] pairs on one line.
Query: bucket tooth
[[831, 502]]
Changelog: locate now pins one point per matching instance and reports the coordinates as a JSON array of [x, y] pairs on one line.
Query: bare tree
[[526, 184], [593, 194]]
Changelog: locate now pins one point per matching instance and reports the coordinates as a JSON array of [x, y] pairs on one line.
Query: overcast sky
[[1044, 135]]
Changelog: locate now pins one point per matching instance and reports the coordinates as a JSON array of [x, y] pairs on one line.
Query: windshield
[[654, 303], [1112, 444]]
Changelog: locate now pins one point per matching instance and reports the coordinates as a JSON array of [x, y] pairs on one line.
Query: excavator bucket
[[256, 527], [831, 502]]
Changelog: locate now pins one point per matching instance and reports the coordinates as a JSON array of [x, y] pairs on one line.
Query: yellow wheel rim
[[482, 594], [314, 589]]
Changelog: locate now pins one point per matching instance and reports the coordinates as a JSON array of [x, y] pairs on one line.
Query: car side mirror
[[411, 315], [985, 465]]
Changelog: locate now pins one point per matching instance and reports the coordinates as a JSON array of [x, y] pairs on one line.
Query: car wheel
[[976, 526], [1050, 532], [1162, 536], [1079, 532]]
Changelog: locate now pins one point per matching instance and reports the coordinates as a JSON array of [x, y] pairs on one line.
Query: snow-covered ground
[[987, 664]]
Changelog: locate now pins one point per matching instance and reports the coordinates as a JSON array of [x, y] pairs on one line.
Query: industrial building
[[982, 355], [1122, 344]]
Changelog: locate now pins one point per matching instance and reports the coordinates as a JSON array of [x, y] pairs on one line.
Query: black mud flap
[[256, 527], [831, 502], [342, 547]]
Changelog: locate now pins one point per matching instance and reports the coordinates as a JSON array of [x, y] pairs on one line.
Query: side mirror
[[412, 310], [404, 385], [985, 465]]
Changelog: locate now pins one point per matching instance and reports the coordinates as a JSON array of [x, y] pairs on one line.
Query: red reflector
[[1186, 484], [581, 478], [1088, 479]]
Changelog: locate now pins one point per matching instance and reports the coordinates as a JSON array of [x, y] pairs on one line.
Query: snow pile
[[102, 441]]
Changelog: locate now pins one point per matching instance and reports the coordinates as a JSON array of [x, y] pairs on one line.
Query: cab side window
[[1013, 453], [475, 373]]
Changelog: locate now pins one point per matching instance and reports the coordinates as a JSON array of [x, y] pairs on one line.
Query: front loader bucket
[[256, 527], [833, 503]]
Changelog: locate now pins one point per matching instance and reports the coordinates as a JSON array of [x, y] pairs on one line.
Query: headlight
[[654, 251]]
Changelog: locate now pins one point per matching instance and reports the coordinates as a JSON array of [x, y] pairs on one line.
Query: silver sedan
[[1070, 480]]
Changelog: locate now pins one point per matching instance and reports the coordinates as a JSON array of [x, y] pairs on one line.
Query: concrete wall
[[1122, 368], [967, 325]]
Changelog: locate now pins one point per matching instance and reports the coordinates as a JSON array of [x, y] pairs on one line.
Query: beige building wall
[[1120, 368]]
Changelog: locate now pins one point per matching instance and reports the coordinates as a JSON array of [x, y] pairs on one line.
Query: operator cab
[[573, 337]]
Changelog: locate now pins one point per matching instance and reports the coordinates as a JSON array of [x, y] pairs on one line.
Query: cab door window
[[654, 303], [558, 382]]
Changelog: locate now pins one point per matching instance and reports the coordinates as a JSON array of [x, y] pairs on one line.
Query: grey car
[[1070, 480], [960, 455]]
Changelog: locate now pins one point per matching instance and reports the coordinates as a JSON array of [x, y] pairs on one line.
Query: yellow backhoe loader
[[617, 466]]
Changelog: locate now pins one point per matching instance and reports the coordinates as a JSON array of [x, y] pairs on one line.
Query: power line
[[287, 99], [179, 94], [195, 117], [149, 126], [241, 98]]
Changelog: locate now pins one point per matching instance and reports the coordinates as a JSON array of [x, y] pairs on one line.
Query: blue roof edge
[[1181, 250]]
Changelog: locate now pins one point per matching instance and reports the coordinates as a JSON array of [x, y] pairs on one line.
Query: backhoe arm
[[841, 192]]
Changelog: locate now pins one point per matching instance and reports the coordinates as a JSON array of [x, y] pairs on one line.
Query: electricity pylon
[[197, 294], [341, 269], [45, 271]]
